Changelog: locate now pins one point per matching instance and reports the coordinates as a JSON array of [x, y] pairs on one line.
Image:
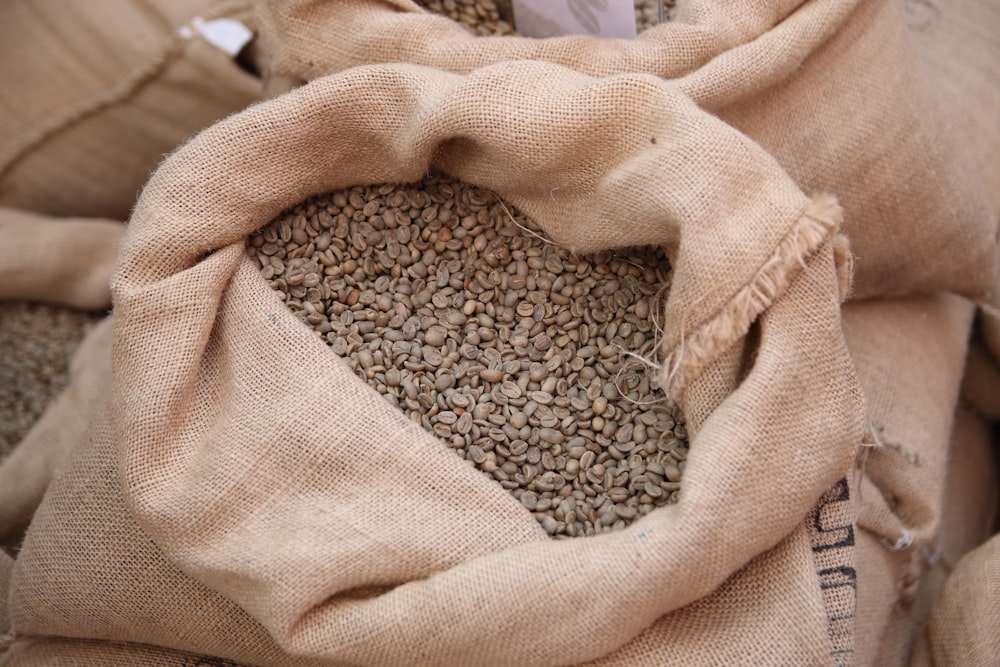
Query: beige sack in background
[[964, 618], [919, 498], [64, 261], [92, 95], [959, 43]]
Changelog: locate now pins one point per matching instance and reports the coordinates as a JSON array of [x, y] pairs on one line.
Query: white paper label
[[551, 18], [227, 35]]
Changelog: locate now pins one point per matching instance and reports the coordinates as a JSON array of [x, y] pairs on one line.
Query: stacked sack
[[94, 97]]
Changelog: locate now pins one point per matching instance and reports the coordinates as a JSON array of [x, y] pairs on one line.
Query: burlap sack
[[955, 609], [93, 95], [963, 627], [959, 44], [863, 102], [63, 261], [102, 91], [901, 494], [833, 89], [929, 490], [44, 451], [855, 97], [268, 507], [964, 623]]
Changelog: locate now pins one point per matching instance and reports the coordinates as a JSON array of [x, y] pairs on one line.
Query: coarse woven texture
[[958, 41], [6, 565], [46, 447], [903, 512], [260, 478], [833, 89], [907, 467], [96, 94], [964, 625], [773, 596], [64, 261], [958, 45], [61, 652], [968, 519]]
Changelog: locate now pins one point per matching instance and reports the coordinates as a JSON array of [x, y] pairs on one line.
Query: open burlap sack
[[269, 508], [833, 89], [854, 97]]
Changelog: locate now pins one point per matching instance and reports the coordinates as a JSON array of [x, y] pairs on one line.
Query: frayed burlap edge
[[820, 220]]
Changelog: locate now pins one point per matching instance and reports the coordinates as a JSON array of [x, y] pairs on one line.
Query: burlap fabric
[[44, 451], [961, 629], [928, 493], [6, 565], [102, 91], [94, 94], [834, 89], [963, 622], [65, 261], [269, 509], [256, 473], [959, 46]]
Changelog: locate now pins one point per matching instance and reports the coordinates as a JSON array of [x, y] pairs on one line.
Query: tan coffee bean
[[491, 375]]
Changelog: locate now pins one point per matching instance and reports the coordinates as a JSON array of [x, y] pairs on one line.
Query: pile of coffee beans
[[535, 365]]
